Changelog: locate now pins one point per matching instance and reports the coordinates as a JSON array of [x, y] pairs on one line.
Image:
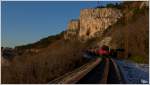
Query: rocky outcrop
[[92, 21], [73, 25], [105, 41], [73, 29]]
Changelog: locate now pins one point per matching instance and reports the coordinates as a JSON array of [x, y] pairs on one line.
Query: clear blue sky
[[26, 22]]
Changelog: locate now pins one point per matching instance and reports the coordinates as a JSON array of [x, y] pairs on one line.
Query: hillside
[[43, 43], [131, 33], [124, 26]]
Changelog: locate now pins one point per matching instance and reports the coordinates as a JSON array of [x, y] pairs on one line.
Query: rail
[[105, 73], [96, 71], [77, 74], [118, 72]]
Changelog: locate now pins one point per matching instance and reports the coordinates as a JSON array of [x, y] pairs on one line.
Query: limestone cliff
[[92, 21], [73, 29]]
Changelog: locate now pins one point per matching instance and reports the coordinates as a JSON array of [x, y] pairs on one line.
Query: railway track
[[100, 71], [114, 76]]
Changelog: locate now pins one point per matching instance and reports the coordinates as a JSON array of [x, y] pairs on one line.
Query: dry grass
[[133, 36], [58, 59]]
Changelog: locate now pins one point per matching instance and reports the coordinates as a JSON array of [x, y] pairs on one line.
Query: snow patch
[[134, 73]]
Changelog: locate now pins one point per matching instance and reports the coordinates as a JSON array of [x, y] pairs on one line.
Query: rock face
[[92, 21], [73, 29], [73, 25], [106, 41]]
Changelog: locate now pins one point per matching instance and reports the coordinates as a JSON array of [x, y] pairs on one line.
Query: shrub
[[99, 7], [136, 10], [51, 63], [137, 59], [110, 5]]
